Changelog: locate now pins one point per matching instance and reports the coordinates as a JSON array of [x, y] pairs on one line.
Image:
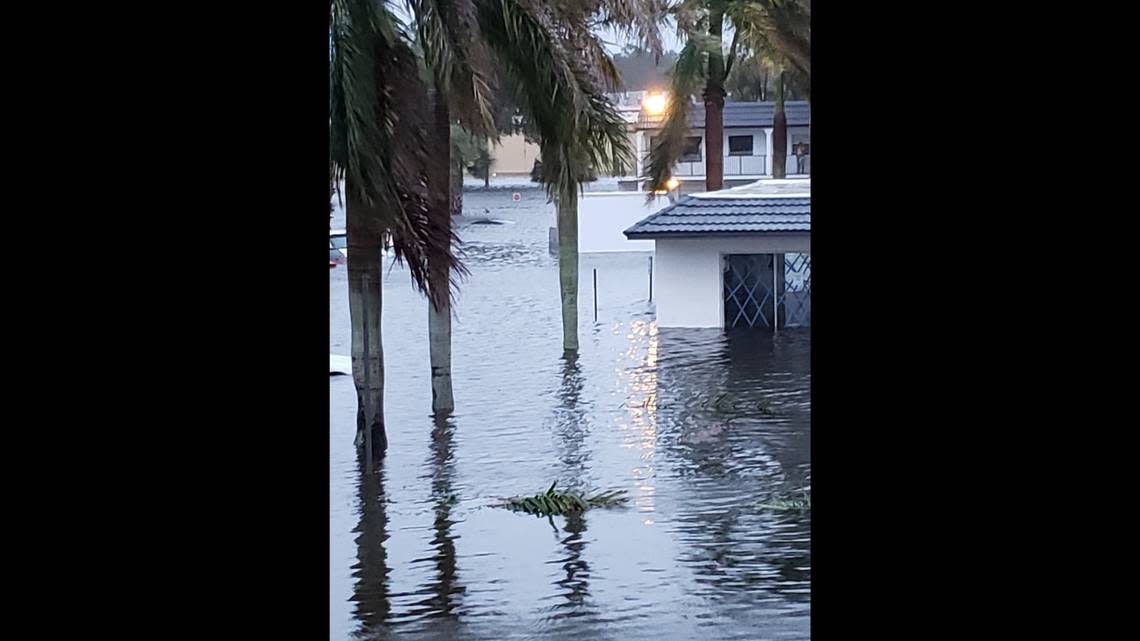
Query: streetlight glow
[[655, 104]]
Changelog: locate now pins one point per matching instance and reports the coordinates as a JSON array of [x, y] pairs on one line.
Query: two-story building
[[747, 141]]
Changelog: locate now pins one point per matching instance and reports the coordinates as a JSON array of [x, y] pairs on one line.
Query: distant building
[[738, 257], [747, 141], [513, 156]]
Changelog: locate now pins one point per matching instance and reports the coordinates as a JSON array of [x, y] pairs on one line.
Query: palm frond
[[689, 16], [598, 59], [551, 503], [637, 19], [455, 53], [465, 146], [563, 96], [779, 28], [687, 77], [376, 92], [355, 132], [790, 30]]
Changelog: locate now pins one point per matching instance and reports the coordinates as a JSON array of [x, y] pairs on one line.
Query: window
[[740, 145], [692, 149], [340, 242]]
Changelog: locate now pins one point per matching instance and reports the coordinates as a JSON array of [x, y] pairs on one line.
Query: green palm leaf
[[687, 78], [377, 134]]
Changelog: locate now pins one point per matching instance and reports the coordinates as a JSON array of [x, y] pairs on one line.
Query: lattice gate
[[767, 290], [795, 299]]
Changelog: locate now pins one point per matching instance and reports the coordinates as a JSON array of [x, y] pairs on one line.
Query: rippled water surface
[[699, 426]]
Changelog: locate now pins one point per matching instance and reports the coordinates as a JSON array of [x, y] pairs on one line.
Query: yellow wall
[[513, 156]]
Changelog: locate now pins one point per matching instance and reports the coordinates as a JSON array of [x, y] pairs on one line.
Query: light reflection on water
[[699, 426]]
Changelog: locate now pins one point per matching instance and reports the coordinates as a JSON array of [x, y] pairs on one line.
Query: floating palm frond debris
[[787, 505], [551, 503], [801, 503], [725, 404]]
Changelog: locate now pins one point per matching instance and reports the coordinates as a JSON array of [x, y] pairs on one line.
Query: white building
[[747, 142], [739, 257], [603, 218]]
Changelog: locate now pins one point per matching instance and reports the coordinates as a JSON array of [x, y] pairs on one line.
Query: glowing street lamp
[[670, 190], [655, 104]]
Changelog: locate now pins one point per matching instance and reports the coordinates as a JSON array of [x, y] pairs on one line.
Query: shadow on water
[[443, 594], [571, 425], [574, 587], [370, 591], [572, 615]]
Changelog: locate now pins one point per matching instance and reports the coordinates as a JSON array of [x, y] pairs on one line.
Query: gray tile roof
[[748, 114], [710, 216]]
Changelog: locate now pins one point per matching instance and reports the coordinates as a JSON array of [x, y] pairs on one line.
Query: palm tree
[[561, 71], [458, 66], [556, 66], [469, 155], [395, 166], [784, 27], [779, 29], [375, 92], [481, 166], [456, 51]]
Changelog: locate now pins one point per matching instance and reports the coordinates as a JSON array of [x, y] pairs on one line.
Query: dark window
[[692, 149], [740, 145]]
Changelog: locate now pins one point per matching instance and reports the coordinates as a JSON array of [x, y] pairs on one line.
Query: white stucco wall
[[603, 216], [688, 279]]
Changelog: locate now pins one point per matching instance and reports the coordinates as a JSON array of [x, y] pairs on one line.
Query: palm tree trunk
[[456, 189], [714, 108], [779, 131], [439, 275], [364, 304], [568, 267], [332, 190]]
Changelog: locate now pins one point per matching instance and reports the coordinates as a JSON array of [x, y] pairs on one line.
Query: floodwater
[[700, 427]]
